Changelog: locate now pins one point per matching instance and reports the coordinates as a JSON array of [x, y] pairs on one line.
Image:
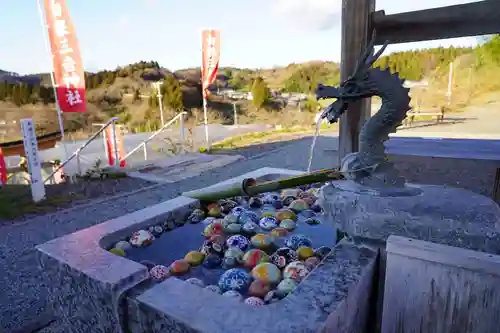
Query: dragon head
[[357, 86]]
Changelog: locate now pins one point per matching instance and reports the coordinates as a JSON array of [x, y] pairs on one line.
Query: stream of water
[[315, 138]]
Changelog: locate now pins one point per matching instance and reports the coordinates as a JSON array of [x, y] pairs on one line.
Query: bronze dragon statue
[[370, 166]]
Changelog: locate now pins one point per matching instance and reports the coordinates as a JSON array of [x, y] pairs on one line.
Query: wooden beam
[[356, 32], [470, 19]]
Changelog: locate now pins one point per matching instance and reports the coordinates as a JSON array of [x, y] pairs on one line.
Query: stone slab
[[437, 288]]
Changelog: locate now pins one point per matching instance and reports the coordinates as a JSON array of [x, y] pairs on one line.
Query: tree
[[172, 94], [16, 95], [260, 92]]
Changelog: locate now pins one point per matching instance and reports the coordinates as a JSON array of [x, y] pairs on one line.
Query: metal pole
[[115, 143], [206, 123], [145, 149], [235, 113], [181, 124], [48, 50], [160, 102]]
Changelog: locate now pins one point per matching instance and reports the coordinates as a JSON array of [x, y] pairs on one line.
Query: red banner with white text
[[210, 43], [119, 150], [68, 71]]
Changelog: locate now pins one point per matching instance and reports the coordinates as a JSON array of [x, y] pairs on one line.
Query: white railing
[[77, 152], [144, 143]]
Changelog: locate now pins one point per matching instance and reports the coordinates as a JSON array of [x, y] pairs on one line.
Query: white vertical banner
[[33, 159]]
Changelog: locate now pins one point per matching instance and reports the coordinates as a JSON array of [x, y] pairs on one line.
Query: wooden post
[[356, 32]]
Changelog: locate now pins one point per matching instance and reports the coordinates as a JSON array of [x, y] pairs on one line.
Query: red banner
[[3, 169], [69, 76], [110, 132], [210, 43]]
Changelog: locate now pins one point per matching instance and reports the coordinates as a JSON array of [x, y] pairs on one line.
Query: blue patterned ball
[[235, 279], [248, 216], [238, 241], [236, 211], [268, 223], [296, 241]]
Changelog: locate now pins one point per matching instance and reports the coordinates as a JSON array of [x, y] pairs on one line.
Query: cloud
[[310, 14]]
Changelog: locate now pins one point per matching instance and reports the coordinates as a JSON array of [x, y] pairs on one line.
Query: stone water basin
[[257, 249]]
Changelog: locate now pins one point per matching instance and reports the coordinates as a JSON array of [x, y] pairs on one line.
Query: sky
[[254, 33]]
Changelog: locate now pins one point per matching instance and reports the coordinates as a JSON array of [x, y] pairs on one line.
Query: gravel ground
[[22, 293]]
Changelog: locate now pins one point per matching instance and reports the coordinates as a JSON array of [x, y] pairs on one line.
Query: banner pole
[[206, 122], [48, 50]]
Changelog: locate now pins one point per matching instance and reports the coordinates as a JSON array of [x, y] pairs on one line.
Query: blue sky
[[256, 33]]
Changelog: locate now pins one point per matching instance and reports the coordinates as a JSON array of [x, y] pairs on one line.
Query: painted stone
[[298, 205], [278, 204], [233, 294], [124, 245], [236, 211], [219, 239], [285, 287], [288, 224], [232, 257], [157, 230], [231, 218], [286, 214], [196, 216], [212, 247], [212, 261], [180, 267], [248, 216], [283, 256], [255, 202], [296, 241], [254, 301], [250, 228], [262, 241], [259, 288], [312, 221], [159, 272], [254, 257], [267, 211], [141, 238], [309, 200], [214, 211], [279, 232], [238, 241], [266, 272], [235, 279], [269, 198], [213, 288], [288, 200], [271, 297], [233, 228], [227, 205], [208, 220], [305, 252], [196, 282], [214, 228], [117, 251], [308, 213], [312, 262], [322, 251], [290, 192], [296, 270], [268, 223], [194, 258]]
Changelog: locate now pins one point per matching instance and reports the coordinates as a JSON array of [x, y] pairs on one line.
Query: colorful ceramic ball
[[196, 216], [296, 241], [267, 210], [305, 252], [278, 204], [208, 220], [231, 218], [262, 241], [212, 247], [159, 272], [254, 257], [254, 301], [266, 272], [194, 258], [288, 200], [238, 241], [312, 221], [312, 262], [214, 211], [259, 288], [212, 261], [124, 245], [233, 294], [248, 216], [227, 205], [213, 288], [233, 228], [308, 213], [117, 251], [271, 297], [234, 252], [296, 270], [285, 214], [268, 223], [269, 198], [322, 251], [255, 202], [141, 238], [236, 211], [298, 205], [196, 282], [214, 228], [285, 287], [179, 267], [219, 239], [279, 232], [290, 192], [250, 228], [283, 256], [288, 224], [235, 279]]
